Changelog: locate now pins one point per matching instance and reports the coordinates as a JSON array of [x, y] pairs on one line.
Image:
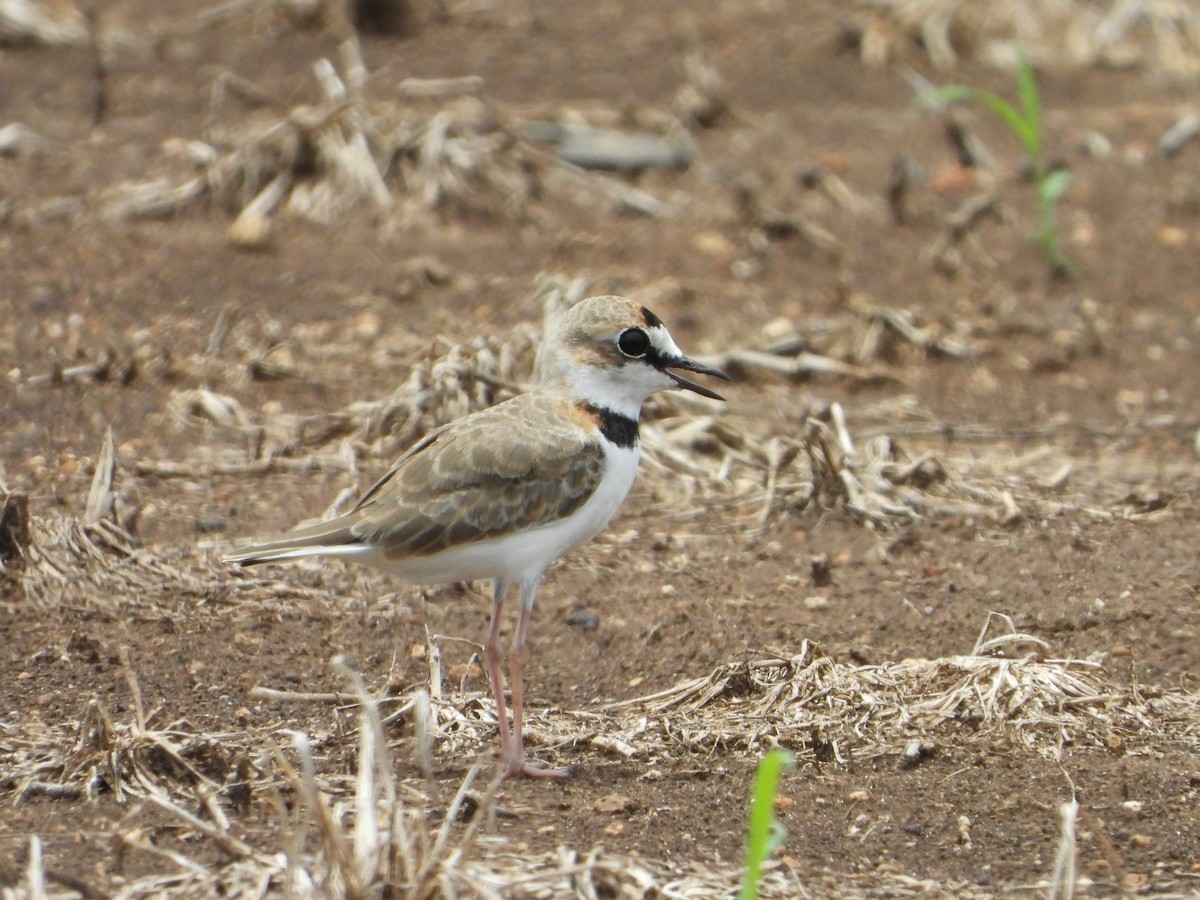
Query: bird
[[502, 493]]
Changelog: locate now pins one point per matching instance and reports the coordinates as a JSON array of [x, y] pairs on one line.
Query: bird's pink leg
[[517, 656], [492, 654]]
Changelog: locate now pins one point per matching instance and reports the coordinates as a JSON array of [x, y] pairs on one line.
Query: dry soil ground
[[1056, 418]]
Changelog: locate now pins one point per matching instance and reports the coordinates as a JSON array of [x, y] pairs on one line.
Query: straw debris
[[1159, 35], [439, 146], [883, 464], [34, 22], [355, 836]]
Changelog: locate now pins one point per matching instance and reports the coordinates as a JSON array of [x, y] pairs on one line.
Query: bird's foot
[[517, 767]]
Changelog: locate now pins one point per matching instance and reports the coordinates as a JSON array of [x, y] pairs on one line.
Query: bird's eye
[[633, 342]]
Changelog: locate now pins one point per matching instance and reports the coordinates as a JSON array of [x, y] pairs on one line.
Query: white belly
[[525, 554]]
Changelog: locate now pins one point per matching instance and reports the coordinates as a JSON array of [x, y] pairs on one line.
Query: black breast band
[[618, 428]]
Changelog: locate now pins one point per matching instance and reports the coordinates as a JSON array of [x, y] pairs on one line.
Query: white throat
[[621, 390]]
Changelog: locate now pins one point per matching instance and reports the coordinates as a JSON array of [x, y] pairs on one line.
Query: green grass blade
[[764, 834], [1031, 105], [936, 98], [1025, 122], [1054, 185], [1011, 117]]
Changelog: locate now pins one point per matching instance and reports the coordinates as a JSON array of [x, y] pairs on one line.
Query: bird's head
[[616, 353]]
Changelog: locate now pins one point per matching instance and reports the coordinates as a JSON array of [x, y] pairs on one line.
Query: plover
[[502, 493]]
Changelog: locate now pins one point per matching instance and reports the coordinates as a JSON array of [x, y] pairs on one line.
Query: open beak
[[691, 365]]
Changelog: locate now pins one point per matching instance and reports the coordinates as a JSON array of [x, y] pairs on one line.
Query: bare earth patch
[[940, 544]]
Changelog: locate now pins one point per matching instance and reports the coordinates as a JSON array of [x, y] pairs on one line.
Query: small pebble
[[211, 523], [1172, 236], [913, 753], [584, 620], [820, 570], [952, 180], [611, 804], [249, 231]]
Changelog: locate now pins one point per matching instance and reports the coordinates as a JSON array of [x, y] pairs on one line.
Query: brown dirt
[[1118, 587]]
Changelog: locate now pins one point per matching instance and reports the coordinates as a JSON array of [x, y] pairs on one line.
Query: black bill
[[692, 366]]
